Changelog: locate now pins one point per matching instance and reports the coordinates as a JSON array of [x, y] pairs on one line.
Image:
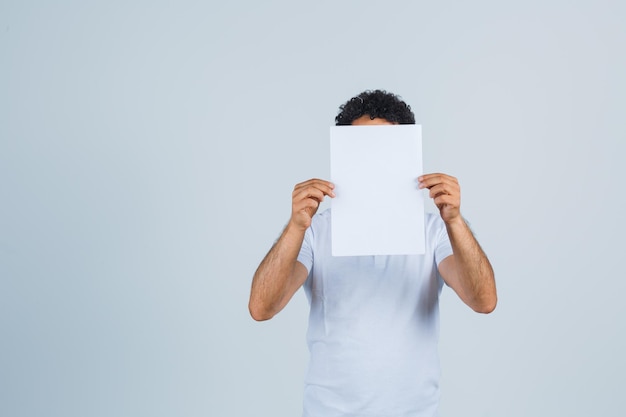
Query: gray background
[[148, 151]]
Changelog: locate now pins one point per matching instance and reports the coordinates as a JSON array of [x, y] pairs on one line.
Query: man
[[373, 325]]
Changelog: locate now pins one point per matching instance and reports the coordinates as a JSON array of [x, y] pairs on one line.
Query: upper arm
[[447, 268], [449, 272]]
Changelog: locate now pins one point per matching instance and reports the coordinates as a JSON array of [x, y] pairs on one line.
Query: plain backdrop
[[148, 151]]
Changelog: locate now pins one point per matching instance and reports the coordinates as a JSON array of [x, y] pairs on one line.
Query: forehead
[[366, 120]]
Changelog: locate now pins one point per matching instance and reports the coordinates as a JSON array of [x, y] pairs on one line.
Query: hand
[[446, 194], [306, 199]]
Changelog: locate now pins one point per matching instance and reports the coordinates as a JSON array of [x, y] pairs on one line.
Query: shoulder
[[320, 225], [435, 230], [433, 223]]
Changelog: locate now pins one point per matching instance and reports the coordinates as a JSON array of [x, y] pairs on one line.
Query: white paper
[[378, 208]]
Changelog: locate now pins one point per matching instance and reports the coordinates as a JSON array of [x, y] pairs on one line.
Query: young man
[[373, 325]]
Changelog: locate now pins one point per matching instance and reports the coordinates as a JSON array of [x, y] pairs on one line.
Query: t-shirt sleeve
[[305, 257], [443, 248]]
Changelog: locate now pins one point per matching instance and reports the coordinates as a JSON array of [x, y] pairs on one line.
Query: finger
[[309, 193], [429, 180], [448, 184], [315, 181], [314, 188], [325, 187], [309, 204], [442, 189], [446, 200]]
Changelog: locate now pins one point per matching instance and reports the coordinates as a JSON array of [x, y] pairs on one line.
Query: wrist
[[456, 222], [293, 227]]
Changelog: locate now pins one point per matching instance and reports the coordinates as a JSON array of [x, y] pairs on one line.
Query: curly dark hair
[[376, 104]]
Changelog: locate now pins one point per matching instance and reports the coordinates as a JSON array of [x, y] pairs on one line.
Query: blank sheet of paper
[[378, 209]]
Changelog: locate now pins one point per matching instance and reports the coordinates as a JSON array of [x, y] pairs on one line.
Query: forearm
[[473, 270], [272, 280]]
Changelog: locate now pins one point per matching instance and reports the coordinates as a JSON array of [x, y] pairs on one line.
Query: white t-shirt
[[373, 327]]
